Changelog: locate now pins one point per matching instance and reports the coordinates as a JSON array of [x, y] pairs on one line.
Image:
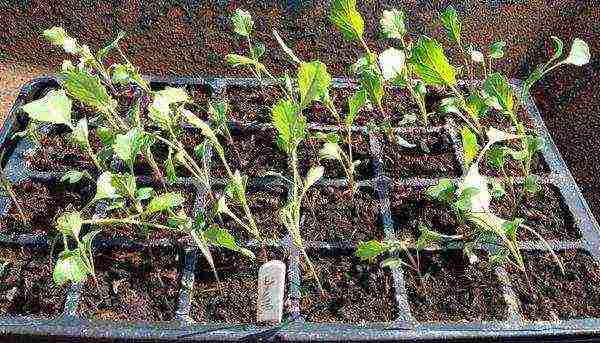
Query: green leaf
[[355, 103], [532, 184], [236, 60], [221, 237], [129, 145], [464, 202], [242, 22], [313, 82], [73, 176], [81, 133], [431, 64], [442, 191], [579, 54], [330, 151], [165, 201], [290, 125], [88, 89], [392, 62], [371, 249], [55, 35], [510, 228], [372, 83], [170, 168], [124, 184], [144, 193], [347, 19], [120, 74], [69, 223], [286, 49], [534, 144], [497, 190], [69, 267], [392, 24], [450, 105], [497, 88], [257, 50], [470, 146], [496, 157], [106, 135], [558, 45], [476, 105], [497, 49], [393, 263], [104, 187], [452, 24], [86, 241], [160, 109], [54, 108]]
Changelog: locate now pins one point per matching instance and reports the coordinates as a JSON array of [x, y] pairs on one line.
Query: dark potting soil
[[318, 113], [544, 212], [253, 152], [438, 160], [41, 204], [252, 104], [454, 290], [57, 153], [308, 156], [133, 286], [554, 296], [135, 232], [355, 292], [26, 285], [411, 208], [333, 214], [264, 205], [233, 300]]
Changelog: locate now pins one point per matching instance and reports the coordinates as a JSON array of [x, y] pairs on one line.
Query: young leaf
[[496, 157], [120, 74], [170, 168], [372, 83], [476, 55], [129, 145], [330, 151], [510, 228], [579, 54], [104, 187], [347, 19], [313, 82], [392, 24], [54, 108], [532, 184], [500, 92], [101, 55], [313, 175], [81, 132], [470, 146], [369, 250], [236, 60], [497, 190], [452, 24], [88, 89], [73, 176], [242, 22], [165, 201], [69, 267], [221, 237], [144, 193], [497, 49], [391, 62], [443, 191], [55, 35], [69, 223], [285, 48], [257, 50], [160, 109], [431, 64], [355, 103], [290, 126], [464, 201]]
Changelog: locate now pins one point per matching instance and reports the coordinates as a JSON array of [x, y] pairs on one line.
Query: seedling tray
[[297, 325]]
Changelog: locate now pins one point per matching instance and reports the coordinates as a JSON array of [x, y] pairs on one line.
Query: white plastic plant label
[[271, 283]]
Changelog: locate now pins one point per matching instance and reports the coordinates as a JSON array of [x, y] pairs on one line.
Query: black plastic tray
[[514, 327]]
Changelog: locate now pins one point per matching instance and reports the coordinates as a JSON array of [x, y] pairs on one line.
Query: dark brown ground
[[454, 290], [355, 292], [555, 296], [26, 286], [41, 205], [332, 214], [132, 287], [236, 301], [252, 104], [399, 162]]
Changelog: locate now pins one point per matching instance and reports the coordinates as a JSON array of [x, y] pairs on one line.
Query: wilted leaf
[[285, 48], [330, 151], [497, 190], [104, 187], [391, 62], [313, 175]]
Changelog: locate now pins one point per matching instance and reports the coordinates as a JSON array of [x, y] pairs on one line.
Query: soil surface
[[264, 205], [544, 212], [454, 290], [355, 292], [553, 296], [234, 299], [437, 160], [252, 104], [41, 204], [411, 208], [254, 153], [333, 214], [26, 285], [133, 286]]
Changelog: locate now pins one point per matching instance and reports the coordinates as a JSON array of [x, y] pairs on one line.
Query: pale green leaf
[[88, 89], [104, 187], [54, 108], [330, 151], [313, 175], [81, 132], [371, 249], [452, 24], [286, 49], [347, 19], [392, 62], [69, 267], [497, 88], [392, 24], [579, 54], [470, 146], [73, 176], [165, 201], [69, 223], [242, 22], [313, 82]]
